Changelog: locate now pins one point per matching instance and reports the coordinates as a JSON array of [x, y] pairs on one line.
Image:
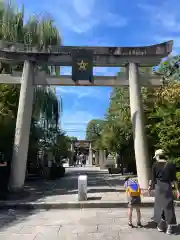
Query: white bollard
[[82, 188]]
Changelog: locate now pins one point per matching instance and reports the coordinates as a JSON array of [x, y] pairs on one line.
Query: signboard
[[81, 143], [154, 50], [85, 145], [82, 65]]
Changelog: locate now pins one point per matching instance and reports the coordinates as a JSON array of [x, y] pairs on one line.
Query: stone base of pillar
[[16, 190], [17, 195]]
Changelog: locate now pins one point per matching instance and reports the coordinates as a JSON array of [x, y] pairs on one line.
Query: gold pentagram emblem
[[82, 65]]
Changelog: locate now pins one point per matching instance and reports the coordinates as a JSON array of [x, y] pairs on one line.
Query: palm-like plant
[[40, 33]]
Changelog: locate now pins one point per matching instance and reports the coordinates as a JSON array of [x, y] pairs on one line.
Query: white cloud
[[74, 124], [75, 15], [115, 20], [165, 20], [80, 92], [165, 16], [83, 8], [97, 71], [106, 71], [76, 24], [82, 16]]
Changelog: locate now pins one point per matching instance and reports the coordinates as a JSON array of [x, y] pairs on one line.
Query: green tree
[[169, 69], [62, 145], [118, 115], [94, 132], [40, 33], [161, 110], [117, 134], [166, 126]]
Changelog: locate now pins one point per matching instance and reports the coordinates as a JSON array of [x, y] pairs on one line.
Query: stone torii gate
[[77, 144], [86, 144], [129, 57]]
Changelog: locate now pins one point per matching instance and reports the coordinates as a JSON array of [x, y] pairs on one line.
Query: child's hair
[[126, 179]]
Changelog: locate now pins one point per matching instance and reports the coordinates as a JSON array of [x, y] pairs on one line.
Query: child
[[133, 193]]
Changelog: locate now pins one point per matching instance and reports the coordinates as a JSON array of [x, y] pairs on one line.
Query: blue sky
[[104, 23]]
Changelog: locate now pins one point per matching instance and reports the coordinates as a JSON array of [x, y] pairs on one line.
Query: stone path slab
[[104, 191], [89, 224]]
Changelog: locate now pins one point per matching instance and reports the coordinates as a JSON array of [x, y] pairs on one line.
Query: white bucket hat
[[158, 153]]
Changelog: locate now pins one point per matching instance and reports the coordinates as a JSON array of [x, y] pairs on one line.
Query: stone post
[[71, 162], [23, 123], [90, 154], [96, 158], [101, 159], [137, 118]]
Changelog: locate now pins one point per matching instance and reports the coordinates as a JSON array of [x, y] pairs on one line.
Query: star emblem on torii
[[82, 65]]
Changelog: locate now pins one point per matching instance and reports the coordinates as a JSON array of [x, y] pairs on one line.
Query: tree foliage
[[162, 116], [94, 132], [169, 69], [44, 135]]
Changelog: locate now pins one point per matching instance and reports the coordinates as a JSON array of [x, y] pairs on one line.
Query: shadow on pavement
[[98, 182], [36, 191], [177, 230], [94, 198], [153, 225], [9, 218]]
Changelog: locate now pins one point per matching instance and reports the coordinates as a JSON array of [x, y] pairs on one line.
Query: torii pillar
[[90, 158], [22, 131], [96, 158], [102, 157], [71, 162], [138, 124]]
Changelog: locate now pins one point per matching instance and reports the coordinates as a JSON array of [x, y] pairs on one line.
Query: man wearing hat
[[156, 156], [163, 174]]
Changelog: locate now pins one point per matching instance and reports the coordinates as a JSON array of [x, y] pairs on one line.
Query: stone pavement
[[101, 186], [78, 224], [104, 191]]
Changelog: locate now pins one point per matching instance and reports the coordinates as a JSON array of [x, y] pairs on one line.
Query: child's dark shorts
[[134, 201]]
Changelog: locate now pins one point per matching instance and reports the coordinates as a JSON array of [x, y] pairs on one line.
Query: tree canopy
[[162, 116], [94, 132], [45, 134]]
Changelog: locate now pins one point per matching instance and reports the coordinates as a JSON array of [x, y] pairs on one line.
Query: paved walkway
[[89, 224], [101, 187], [77, 224]]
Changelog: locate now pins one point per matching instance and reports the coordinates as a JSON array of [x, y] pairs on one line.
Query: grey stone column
[[72, 154], [137, 118], [23, 123], [102, 159], [96, 158], [90, 155]]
